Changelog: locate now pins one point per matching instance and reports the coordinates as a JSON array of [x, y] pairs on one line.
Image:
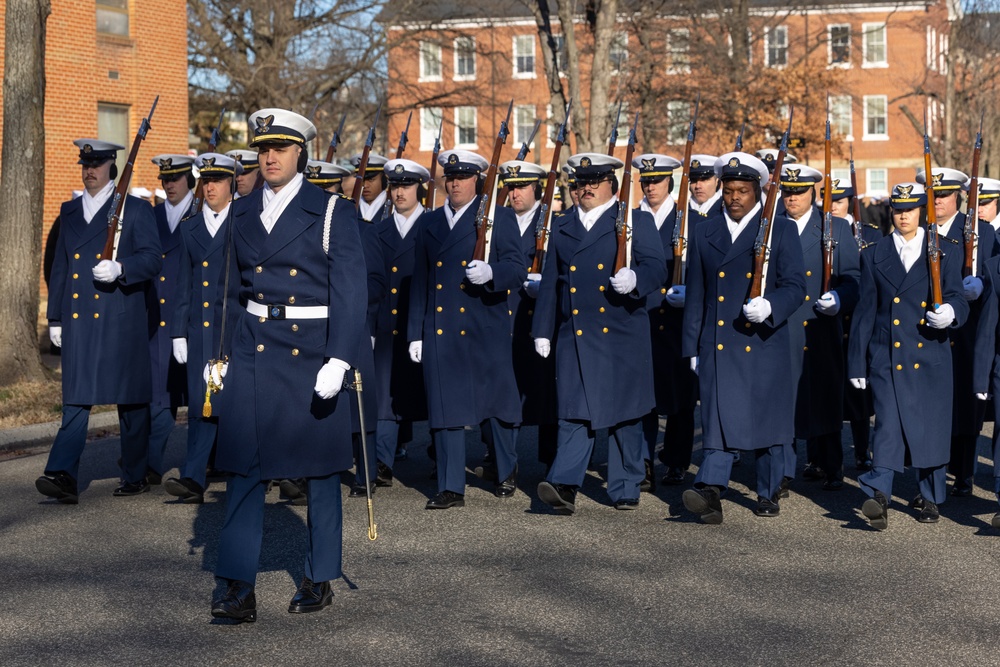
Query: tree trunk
[[579, 123], [21, 188], [600, 73]]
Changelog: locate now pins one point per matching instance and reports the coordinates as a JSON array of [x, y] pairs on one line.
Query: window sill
[[470, 77], [525, 75], [429, 79], [875, 137], [839, 66], [884, 65], [117, 40]]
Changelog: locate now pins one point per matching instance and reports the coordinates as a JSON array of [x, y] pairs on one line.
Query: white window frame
[[943, 53], [424, 76], [829, 46], [428, 132], [767, 46], [472, 50], [931, 49], [534, 58], [872, 192], [475, 128], [620, 38], [518, 127], [671, 52], [849, 136], [865, 136], [867, 30]]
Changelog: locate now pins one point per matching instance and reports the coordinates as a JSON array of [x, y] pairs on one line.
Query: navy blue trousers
[[162, 422], [626, 448], [201, 438], [717, 467], [386, 441], [68, 446], [678, 437], [450, 446], [930, 481]]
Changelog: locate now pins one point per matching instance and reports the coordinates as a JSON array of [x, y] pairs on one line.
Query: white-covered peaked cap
[[592, 166], [943, 179], [840, 189], [907, 195], [95, 151], [570, 173], [245, 157], [770, 155], [799, 176], [458, 161], [655, 165], [171, 164], [520, 172], [401, 171], [280, 126], [739, 166], [215, 165], [325, 173], [376, 162], [703, 165], [989, 188]]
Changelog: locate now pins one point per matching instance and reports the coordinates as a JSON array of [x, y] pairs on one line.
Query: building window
[[465, 58], [465, 127], [678, 51], [776, 46], [840, 115], [560, 53], [876, 183], [678, 113], [524, 57], [430, 122], [943, 53], [112, 17], [430, 61], [524, 123], [876, 117], [874, 45], [618, 52], [112, 125], [840, 44]]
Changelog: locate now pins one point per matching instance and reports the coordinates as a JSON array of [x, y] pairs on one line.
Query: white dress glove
[[675, 296], [543, 346], [416, 351], [983, 396], [531, 285], [107, 271], [216, 374], [55, 334], [694, 365], [330, 378], [758, 310], [624, 281], [181, 350], [942, 317], [478, 273], [828, 304], [973, 287], [859, 383]]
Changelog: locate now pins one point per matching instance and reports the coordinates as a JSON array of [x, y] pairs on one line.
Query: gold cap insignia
[[734, 162], [904, 191], [166, 163], [452, 159], [238, 158], [792, 174], [834, 183], [264, 124], [936, 180], [399, 169], [87, 148], [585, 162], [208, 162], [648, 163], [314, 171], [768, 158], [513, 170], [695, 164]]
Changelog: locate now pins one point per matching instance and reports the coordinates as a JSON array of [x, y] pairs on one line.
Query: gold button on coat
[[293, 272], [260, 348], [295, 352]]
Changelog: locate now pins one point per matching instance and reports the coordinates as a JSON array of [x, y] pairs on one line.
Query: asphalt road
[[501, 582]]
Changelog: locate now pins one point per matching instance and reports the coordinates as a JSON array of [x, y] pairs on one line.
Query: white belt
[[280, 312]]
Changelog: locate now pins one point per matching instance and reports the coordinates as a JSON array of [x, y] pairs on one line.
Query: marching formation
[[307, 330]]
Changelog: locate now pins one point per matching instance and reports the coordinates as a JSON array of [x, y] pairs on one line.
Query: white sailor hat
[[570, 174], [519, 172], [989, 188], [655, 165], [215, 165], [376, 163], [702, 166], [907, 195], [401, 171], [457, 162], [943, 180], [280, 126], [173, 164], [246, 158], [799, 176], [591, 167], [739, 166], [325, 174], [838, 189], [141, 193], [770, 155], [95, 151]]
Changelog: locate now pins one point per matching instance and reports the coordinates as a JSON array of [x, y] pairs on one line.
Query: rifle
[[680, 228], [613, 137], [363, 164], [623, 224], [199, 191], [857, 204], [332, 148], [488, 203], [521, 154], [431, 187], [762, 245], [387, 208], [116, 212], [972, 212], [828, 242], [544, 211], [933, 244], [739, 137]]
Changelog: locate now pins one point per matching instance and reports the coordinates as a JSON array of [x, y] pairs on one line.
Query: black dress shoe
[[560, 497], [962, 488], [310, 597], [185, 488], [877, 511], [506, 488], [648, 484], [358, 490], [834, 484], [238, 603], [706, 503], [383, 474], [929, 513], [153, 478], [627, 504], [786, 484], [296, 490], [813, 472], [917, 503], [60, 486], [767, 507], [863, 465], [674, 476], [131, 488], [445, 500]]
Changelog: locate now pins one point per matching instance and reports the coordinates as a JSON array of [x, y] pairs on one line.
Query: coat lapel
[[717, 235], [745, 241], [813, 232], [464, 226], [918, 273], [306, 208], [602, 227], [887, 263]]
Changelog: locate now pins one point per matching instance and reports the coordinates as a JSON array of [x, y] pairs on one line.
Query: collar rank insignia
[[648, 163], [399, 169], [585, 162], [264, 124], [734, 162], [936, 180], [208, 162], [314, 171], [452, 159], [87, 148], [904, 190], [695, 164], [166, 163], [792, 174]]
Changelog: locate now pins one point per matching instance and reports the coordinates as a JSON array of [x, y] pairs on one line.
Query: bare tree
[[21, 189]]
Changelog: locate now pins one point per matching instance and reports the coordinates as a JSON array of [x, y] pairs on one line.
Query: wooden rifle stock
[[828, 243], [933, 243], [545, 210], [487, 202], [121, 190], [680, 228], [623, 225], [762, 246]]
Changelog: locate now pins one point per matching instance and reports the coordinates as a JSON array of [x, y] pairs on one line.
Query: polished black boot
[[238, 603], [311, 597]]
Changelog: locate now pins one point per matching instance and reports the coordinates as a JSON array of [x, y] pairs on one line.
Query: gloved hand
[[758, 310], [983, 396], [859, 383], [543, 346], [694, 365], [675, 296], [217, 375], [330, 378], [107, 271], [973, 287], [942, 317], [416, 351], [531, 285], [181, 350], [624, 281], [828, 304], [478, 273], [55, 334]]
